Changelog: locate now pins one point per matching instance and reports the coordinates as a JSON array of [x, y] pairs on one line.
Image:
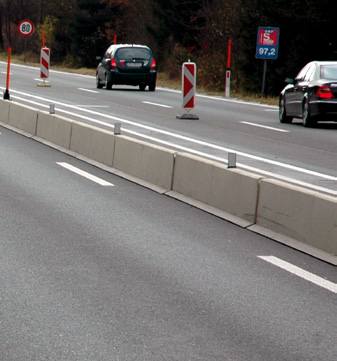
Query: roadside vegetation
[[77, 31]]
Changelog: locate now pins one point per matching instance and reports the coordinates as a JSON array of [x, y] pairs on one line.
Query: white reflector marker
[[86, 175], [319, 281]]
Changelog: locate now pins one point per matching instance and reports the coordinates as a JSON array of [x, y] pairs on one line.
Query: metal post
[[231, 160], [264, 77], [117, 128]]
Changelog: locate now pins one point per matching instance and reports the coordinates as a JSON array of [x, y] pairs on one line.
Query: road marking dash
[[88, 90], [319, 281], [85, 174], [158, 105], [266, 127]]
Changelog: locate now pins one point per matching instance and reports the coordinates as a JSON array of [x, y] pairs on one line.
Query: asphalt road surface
[[289, 152], [97, 268]]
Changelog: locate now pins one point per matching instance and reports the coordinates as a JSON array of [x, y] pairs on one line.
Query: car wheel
[[108, 84], [98, 84], [142, 87], [308, 121], [282, 112], [152, 87]]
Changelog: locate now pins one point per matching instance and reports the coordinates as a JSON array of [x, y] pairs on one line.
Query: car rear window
[[329, 72], [133, 53]]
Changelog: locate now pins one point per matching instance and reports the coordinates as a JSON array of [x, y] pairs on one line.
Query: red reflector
[[113, 63], [324, 92], [153, 64]]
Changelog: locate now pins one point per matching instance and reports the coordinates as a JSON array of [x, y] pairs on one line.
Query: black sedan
[[312, 95]]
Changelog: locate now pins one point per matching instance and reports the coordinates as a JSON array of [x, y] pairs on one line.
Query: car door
[[291, 94], [104, 66], [302, 88]]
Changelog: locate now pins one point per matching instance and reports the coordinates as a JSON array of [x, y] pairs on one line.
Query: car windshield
[[329, 72], [133, 53]]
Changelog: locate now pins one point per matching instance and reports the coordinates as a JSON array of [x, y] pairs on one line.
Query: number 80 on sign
[[26, 28]]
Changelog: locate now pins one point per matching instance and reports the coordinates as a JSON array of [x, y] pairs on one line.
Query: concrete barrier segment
[[303, 215], [23, 117], [4, 111], [54, 128], [148, 162], [230, 190], [94, 143]]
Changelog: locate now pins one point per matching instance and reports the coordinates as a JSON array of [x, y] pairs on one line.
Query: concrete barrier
[[306, 216], [145, 161], [94, 143], [4, 110], [212, 183], [23, 117], [287, 213], [54, 129]]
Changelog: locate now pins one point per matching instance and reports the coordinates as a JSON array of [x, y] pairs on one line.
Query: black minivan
[[125, 64]]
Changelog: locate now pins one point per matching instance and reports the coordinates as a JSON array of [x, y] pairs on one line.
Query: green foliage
[[177, 30]]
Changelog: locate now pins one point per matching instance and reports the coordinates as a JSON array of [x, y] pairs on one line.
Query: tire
[[142, 87], [284, 118], [98, 84], [108, 84], [308, 120], [152, 87]]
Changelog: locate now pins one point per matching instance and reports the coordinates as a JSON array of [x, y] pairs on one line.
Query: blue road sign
[[267, 43]]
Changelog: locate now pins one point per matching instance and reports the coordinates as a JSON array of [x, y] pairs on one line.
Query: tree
[[175, 29]]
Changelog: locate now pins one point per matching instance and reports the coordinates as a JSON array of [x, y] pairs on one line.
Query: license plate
[[133, 65]]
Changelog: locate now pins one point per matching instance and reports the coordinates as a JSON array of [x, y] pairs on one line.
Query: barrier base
[[44, 84], [6, 95], [187, 116]]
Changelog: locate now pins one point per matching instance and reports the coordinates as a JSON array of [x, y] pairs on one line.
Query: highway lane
[[113, 271], [289, 152]]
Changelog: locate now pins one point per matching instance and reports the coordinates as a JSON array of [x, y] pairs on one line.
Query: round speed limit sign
[[26, 28]]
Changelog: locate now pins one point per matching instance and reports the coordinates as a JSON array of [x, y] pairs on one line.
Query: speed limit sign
[[26, 28]]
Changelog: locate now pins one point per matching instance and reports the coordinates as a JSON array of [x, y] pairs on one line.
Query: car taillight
[[324, 92], [113, 64], [153, 64]]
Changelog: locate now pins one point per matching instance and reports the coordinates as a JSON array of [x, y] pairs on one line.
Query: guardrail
[[297, 217]]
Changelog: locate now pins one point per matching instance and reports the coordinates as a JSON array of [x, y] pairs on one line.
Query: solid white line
[[266, 127], [88, 90], [319, 281], [91, 106], [85, 174], [158, 105]]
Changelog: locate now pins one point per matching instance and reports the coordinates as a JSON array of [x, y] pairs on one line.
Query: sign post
[[44, 66], [6, 93], [44, 63], [267, 48], [25, 28], [228, 70], [189, 76]]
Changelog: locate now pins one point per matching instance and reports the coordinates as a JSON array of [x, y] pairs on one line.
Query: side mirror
[[289, 80]]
